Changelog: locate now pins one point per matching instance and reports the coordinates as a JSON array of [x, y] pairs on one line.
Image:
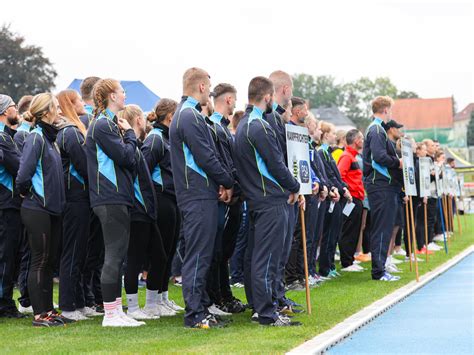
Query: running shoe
[[47, 320], [389, 278]]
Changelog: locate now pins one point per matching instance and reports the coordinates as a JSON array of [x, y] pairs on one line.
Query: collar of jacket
[[107, 113], [254, 112], [216, 117], [191, 100], [6, 129], [351, 151], [163, 128], [324, 147], [378, 121], [89, 109], [278, 109]]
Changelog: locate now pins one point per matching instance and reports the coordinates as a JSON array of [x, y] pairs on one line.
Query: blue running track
[[436, 319]]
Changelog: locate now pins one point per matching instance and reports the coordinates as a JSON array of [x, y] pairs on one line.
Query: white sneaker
[[117, 321], [130, 319], [89, 312], [165, 311], [25, 310], [351, 268], [152, 312], [413, 258], [393, 269], [217, 312], [74, 315], [433, 247], [238, 285], [396, 261], [399, 252], [171, 304], [141, 315], [438, 238], [356, 262], [358, 267]]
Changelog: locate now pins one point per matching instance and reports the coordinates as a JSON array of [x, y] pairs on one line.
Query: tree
[[321, 91], [25, 70], [470, 131], [407, 95]]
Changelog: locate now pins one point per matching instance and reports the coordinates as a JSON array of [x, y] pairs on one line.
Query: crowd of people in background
[[104, 196]]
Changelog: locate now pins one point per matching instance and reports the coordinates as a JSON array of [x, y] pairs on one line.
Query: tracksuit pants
[[199, 231], [318, 235], [237, 260], [279, 285], [331, 232], [44, 234], [24, 260], [10, 236], [350, 233], [268, 229], [73, 256], [115, 222], [383, 207]]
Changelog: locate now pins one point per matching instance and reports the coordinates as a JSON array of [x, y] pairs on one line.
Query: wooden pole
[[451, 212], [446, 222], [414, 239], [305, 257], [407, 225], [457, 215], [426, 230]]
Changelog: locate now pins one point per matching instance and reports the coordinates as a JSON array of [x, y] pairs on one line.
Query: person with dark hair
[[156, 151], [268, 187], [86, 88], [110, 148], [10, 222], [351, 174], [40, 181], [225, 96], [24, 127], [200, 181]]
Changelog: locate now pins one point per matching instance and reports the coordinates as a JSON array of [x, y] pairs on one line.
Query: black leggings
[[115, 222], [145, 238], [169, 221], [44, 233]]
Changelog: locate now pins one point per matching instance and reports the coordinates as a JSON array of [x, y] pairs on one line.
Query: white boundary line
[[326, 340]]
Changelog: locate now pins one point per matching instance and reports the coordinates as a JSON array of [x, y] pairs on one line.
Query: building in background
[[461, 121], [335, 116], [426, 118]]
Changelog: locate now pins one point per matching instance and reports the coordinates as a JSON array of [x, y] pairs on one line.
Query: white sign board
[[445, 180], [408, 168], [297, 139], [425, 173], [461, 185]]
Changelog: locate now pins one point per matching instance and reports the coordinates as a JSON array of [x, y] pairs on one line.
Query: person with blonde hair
[[200, 181], [70, 141], [379, 158], [340, 145], [111, 147], [333, 213], [40, 181]]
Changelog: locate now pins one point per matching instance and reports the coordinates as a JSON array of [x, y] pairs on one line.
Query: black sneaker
[[60, 318], [99, 308], [47, 320], [208, 322], [233, 306], [254, 318]]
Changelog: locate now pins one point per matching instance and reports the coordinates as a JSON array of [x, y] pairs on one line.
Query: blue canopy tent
[[137, 93]]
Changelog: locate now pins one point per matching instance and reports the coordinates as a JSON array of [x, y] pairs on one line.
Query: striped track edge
[[324, 341]]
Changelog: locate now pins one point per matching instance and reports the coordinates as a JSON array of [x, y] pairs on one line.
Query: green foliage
[[470, 131], [24, 69], [330, 305], [352, 98]]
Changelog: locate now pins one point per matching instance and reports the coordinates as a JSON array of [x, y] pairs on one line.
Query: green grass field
[[332, 303]]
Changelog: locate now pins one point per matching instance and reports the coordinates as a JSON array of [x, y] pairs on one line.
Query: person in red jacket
[[351, 174]]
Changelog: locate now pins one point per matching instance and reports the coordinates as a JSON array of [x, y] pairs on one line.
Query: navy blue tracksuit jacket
[[111, 162], [197, 171], [21, 133], [40, 176], [9, 197]]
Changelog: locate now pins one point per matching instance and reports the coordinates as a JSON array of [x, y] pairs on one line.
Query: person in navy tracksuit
[[199, 181], [156, 151], [40, 181], [268, 186], [111, 148], [10, 223], [219, 284], [70, 140], [379, 157], [332, 220]]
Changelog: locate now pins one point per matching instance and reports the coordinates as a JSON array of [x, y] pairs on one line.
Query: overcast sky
[[423, 46]]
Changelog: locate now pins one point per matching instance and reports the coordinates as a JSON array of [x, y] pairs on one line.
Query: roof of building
[[332, 115], [424, 113], [464, 114]]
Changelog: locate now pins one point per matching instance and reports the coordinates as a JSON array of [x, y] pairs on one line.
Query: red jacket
[[351, 172]]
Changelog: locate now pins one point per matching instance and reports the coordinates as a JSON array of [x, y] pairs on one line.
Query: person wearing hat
[[10, 220], [380, 158]]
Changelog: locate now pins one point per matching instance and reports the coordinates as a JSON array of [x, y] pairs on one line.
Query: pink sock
[[110, 309]]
